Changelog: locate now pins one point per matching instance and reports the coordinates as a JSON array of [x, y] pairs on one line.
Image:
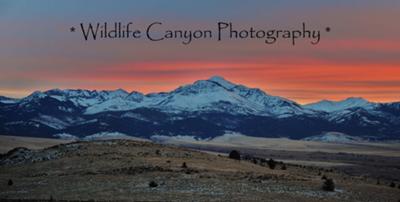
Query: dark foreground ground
[[143, 171]]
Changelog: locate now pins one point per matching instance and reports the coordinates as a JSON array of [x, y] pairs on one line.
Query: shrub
[[234, 155], [184, 165], [392, 184], [328, 185], [10, 182], [324, 177], [262, 161], [153, 184], [283, 167], [271, 163]]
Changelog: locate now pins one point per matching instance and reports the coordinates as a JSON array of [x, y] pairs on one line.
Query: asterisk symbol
[[72, 29], [328, 29]]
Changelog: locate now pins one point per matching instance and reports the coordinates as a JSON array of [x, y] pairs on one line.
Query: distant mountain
[[205, 108], [331, 106]]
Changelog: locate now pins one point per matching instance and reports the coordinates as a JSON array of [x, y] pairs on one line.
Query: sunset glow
[[359, 57]]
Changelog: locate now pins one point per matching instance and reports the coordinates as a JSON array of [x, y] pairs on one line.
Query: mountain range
[[203, 109]]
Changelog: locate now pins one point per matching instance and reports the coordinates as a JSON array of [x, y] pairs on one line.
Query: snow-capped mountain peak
[[34, 96], [114, 93], [135, 96], [216, 94], [221, 81], [355, 101]]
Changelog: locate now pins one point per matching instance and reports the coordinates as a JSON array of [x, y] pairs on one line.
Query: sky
[[359, 57]]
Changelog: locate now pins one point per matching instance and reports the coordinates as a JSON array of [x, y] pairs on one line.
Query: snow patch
[[229, 137], [134, 115], [8, 101], [106, 136], [183, 138], [334, 137], [51, 122], [66, 136]]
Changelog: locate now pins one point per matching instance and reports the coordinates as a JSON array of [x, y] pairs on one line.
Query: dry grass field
[[125, 169]]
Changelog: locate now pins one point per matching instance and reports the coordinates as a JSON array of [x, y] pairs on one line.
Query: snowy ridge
[[331, 106], [214, 94], [7, 100]]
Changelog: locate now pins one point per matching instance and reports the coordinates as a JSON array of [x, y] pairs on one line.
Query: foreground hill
[[132, 170], [10, 142]]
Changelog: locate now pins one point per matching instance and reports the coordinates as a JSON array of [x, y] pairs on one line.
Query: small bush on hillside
[[328, 185], [184, 165], [10, 182], [271, 163], [234, 155], [153, 184], [283, 167], [392, 184]]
